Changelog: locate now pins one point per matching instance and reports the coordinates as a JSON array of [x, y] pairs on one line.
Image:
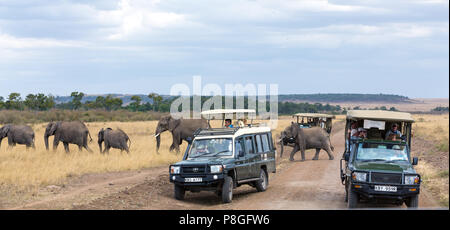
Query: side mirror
[[189, 140], [415, 161], [347, 156]]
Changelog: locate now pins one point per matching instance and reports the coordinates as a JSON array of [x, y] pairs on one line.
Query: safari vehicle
[[308, 120], [376, 169], [221, 159]]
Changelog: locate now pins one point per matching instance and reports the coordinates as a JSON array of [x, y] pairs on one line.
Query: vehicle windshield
[[388, 152], [215, 147]]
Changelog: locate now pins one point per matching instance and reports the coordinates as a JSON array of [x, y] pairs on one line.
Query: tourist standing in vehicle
[[393, 133]]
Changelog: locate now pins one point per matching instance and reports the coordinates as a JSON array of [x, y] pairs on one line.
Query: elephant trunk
[[158, 138], [46, 140]]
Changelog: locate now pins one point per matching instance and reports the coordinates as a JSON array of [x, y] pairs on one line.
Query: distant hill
[[320, 98], [336, 98]]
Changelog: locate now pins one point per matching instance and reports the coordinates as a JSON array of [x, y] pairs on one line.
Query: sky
[[305, 46]]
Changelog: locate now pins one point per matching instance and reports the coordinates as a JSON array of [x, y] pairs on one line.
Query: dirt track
[[296, 185]]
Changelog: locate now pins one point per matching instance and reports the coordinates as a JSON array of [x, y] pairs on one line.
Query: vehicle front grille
[[194, 169], [386, 178]]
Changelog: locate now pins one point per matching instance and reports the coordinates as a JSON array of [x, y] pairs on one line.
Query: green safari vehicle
[[377, 164]]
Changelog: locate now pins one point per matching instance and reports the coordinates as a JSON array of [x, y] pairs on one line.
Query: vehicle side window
[[259, 146], [239, 147], [249, 145], [265, 142]]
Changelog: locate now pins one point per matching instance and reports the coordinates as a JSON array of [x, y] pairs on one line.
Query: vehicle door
[[250, 155], [241, 163], [269, 152], [257, 158]]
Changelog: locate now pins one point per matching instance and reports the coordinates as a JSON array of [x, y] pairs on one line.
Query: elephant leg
[[55, 143], [88, 149], [66, 147], [316, 157], [330, 153], [303, 154], [296, 148]]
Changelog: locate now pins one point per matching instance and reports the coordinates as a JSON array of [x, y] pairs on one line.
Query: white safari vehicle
[[221, 159]]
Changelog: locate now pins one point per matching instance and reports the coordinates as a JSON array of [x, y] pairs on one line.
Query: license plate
[[381, 188], [193, 179]]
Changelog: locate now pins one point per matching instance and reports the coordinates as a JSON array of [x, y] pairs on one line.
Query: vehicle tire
[[227, 190], [352, 200], [263, 182], [412, 202], [179, 192]]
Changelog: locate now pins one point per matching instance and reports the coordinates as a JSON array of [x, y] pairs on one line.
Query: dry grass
[[24, 170], [434, 129]]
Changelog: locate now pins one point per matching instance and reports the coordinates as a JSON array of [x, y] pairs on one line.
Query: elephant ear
[[4, 130], [55, 126], [173, 123]]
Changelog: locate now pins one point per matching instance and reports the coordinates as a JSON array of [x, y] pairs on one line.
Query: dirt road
[[296, 185]]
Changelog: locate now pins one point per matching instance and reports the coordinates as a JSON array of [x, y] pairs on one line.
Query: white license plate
[[381, 188], [193, 179]]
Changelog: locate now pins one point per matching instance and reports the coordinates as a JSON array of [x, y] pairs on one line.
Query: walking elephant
[[17, 134], [181, 129], [117, 139], [308, 138], [71, 132]]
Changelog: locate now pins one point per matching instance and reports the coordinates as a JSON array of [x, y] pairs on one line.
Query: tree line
[[41, 102]]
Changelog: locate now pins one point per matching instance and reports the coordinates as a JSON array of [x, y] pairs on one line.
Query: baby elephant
[[17, 134], [113, 139]]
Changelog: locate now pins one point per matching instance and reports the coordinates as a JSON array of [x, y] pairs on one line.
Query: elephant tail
[[90, 137]]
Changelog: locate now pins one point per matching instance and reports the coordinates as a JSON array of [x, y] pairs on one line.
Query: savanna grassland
[[430, 144], [23, 172]]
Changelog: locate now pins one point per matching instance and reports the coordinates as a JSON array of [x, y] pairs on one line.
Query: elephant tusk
[[156, 135]]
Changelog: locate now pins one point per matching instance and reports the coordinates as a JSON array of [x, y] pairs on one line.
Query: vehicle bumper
[[368, 191], [208, 181]]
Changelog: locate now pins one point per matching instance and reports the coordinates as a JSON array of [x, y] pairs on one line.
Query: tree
[[137, 102], [112, 103], [157, 99], [76, 100], [14, 102], [2, 102]]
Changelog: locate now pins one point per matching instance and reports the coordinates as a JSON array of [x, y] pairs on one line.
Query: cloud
[[137, 17], [334, 36]]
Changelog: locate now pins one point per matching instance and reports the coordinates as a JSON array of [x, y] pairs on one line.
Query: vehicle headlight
[[175, 169], [412, 180], [216, 168], [359, 176]]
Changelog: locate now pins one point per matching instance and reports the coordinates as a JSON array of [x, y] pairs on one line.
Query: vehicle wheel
[[227, 190], [352, 198], [263, 182], [179, 192], [412, 202], [218, 192]]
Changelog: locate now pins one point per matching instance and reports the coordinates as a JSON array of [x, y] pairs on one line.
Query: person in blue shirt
[[393, 133], [228, 123]]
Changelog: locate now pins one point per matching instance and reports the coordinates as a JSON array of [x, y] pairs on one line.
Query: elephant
[[308, 138], [68, 132], [113, 139], [181, 129], [18, 134]]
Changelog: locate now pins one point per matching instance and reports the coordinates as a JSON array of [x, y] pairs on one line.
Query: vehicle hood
[[381, 166], [206, 160]]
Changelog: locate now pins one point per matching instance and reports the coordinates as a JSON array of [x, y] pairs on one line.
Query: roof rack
[[216, 131]]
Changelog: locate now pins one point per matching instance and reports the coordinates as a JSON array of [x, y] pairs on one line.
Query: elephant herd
[[67, 132], [76, 132]]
